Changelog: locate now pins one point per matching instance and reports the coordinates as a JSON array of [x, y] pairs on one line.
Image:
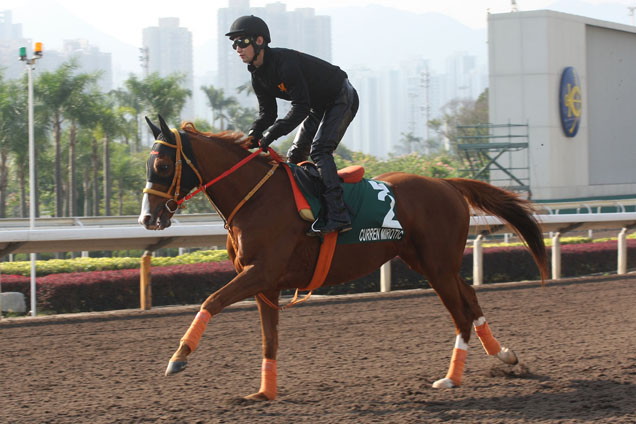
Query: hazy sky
[[124, 19]]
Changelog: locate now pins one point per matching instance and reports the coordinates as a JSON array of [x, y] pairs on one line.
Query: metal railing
[[207, 230]]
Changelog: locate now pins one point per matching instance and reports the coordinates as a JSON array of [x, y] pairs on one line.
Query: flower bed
[[193, 283], [501, 264], [109, 290]]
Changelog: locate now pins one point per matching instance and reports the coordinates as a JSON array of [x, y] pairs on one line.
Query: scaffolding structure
[[496, 153]]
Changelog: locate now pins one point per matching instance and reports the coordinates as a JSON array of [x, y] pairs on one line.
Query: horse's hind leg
[[488, 341], [269, 329], [461, 301]]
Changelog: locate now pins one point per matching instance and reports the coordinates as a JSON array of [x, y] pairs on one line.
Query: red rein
[[273, 154]]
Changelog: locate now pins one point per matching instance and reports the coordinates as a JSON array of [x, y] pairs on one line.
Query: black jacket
[[307, 81]]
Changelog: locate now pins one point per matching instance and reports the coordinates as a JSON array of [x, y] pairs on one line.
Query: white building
[[10, 42], [300, 29], [532, 56], [169, 51]]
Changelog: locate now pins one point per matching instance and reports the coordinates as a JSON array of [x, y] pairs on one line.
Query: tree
[[60, 91], [165, 96], [219, 103], [246, 87], [409, 143], [457, 113], [14, 138], [9, 130], [82, 109], [128, 177], [240, 118], [155, 95]]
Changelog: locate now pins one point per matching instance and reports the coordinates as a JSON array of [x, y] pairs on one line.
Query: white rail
[[206, 230]]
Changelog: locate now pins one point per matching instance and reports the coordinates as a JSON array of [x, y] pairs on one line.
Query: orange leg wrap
[[194, 333], [456, 369], [268, 379], [491, 345]]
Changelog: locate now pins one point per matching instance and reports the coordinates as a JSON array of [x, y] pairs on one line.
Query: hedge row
[[60, 266], [501, 264], [109, 290], [192, 284]]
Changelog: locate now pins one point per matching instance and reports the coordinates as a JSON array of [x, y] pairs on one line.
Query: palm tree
[[218, 102], [7, 128], [13, 139], [127, 173], [155, 95], [247, 87], [241, 117], [59, 91], [83, 111], [113, 124], [165, 96], [132, 99]]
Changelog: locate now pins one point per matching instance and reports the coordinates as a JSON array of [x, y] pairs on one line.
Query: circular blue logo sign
[[570, 101]]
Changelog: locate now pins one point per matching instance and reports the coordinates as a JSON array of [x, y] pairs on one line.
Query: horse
[[271, 250]]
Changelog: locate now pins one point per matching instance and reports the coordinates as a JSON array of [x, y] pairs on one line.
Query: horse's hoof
[[260, 397], [444, 383], [507, 356], [175, 367]]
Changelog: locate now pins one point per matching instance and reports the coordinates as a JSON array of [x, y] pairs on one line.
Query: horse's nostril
[[145, 220]]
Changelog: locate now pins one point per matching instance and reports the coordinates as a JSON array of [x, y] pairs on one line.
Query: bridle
[[173, 192]]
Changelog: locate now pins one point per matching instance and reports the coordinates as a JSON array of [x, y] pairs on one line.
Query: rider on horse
[[323, 103]]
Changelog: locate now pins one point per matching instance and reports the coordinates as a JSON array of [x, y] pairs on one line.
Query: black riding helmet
[[250, 26]]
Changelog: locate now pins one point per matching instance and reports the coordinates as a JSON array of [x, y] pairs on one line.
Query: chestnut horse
[[271, 251]]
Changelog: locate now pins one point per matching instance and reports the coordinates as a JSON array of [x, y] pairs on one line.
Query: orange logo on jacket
[[282, 87]]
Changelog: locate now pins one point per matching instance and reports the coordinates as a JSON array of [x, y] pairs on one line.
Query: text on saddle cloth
[[371, 205]]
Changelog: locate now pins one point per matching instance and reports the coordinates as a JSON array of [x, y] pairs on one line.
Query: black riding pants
[[321, 132]]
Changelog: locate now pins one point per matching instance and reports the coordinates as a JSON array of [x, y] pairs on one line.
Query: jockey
[[323, 103]]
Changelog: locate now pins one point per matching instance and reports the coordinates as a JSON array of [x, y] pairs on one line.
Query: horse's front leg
[[246, 284], [269, 329]]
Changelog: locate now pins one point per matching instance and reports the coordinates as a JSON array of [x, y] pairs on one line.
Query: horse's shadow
[[578, 400]]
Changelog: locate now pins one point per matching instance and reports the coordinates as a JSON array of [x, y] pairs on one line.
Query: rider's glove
[[265, 141], [256, 137]]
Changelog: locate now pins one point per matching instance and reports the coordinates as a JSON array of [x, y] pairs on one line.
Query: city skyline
[[395, 100]]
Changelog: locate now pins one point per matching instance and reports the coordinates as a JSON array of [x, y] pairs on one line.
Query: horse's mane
[[236, 137]]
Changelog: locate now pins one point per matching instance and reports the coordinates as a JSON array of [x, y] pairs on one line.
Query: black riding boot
[[337, 214]]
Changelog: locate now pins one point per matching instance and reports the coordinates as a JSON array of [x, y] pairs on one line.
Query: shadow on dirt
[[578, 400]]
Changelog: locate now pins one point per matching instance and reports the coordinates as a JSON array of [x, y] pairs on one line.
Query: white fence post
[[556, 256], [622, 252], [478, 261], [385, 277]]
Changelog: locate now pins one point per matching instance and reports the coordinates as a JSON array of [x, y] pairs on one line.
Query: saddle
[[305, 178]]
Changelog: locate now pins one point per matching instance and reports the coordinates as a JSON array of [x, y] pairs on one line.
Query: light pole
[[30, 65]]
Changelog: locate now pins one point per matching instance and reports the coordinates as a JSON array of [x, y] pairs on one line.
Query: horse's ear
[[165, 129], [155, 129]]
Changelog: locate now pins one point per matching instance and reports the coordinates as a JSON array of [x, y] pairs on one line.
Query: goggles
[[241, 42]]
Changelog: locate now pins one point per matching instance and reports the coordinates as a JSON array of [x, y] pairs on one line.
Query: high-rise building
[[10, 42], [300, 29], [168, 50], [91, 59]]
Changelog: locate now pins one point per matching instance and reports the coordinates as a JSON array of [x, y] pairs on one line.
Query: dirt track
[[364, 359]]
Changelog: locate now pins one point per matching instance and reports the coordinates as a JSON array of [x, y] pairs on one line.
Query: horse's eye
[[163, 168]]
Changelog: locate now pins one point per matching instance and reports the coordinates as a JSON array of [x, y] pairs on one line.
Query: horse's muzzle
[[154, 219]]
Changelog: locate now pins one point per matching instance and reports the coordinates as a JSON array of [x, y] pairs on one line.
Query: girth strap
[[323, 265]]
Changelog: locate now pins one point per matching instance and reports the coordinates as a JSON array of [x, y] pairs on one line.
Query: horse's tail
[[512, 209]]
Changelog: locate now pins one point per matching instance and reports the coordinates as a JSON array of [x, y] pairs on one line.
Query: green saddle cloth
[[372, 207]]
